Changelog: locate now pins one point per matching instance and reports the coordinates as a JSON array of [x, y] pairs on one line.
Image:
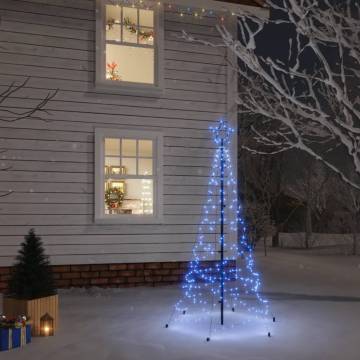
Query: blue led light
[[212, 281]]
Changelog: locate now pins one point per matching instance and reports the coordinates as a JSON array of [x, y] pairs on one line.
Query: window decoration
[[110, 24], [115, 170], [114, 197], [144, 35], [112, 72]]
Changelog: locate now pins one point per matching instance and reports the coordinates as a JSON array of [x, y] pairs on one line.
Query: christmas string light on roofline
[[213, 284], [181, 10]]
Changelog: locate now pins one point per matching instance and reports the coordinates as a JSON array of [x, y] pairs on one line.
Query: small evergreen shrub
[[32, 276]]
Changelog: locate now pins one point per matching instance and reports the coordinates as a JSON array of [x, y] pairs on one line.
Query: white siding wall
[[52, 163]]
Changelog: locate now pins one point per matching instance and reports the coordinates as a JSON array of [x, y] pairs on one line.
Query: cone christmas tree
[[221, 284]]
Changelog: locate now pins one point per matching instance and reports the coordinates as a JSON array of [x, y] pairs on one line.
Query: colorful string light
[[213, 282], [181, 10]]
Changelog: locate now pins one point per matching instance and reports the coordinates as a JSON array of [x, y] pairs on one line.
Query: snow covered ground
[[316, 300]]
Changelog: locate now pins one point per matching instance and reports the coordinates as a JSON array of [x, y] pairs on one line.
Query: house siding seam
[[115, 275], [51, 162]]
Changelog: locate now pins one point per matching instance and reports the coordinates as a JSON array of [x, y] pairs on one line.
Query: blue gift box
[[11, 338]]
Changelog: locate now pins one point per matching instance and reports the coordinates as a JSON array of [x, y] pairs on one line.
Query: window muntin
[[128, 176], [129, 44]]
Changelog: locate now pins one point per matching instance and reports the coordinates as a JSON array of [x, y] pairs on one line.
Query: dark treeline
[[292, 192]]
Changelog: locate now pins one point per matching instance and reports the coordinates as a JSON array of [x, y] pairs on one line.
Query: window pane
[[147, 196], [112, 146], [129, 165], [133, 64], [130, 25], [129, 36], [145, 166], [129, 197], [112, 161], [113, 22], [146, 36], [113, 12], [128, 147], [139, 196], [146, 18], [131, 14], [112, 165], [114, 33], [145, 148]]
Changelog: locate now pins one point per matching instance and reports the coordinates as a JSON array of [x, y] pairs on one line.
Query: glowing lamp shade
[[47, 325]]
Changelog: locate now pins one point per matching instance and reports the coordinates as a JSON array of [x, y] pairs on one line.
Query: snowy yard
[[316, 300]]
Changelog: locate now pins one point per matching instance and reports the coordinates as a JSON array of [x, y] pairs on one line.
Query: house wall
[[115, 275], [52, 162]]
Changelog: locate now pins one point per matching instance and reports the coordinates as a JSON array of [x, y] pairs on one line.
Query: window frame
[[130, 88], [157, 137]]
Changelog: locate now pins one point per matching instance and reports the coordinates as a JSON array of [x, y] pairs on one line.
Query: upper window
[[128, 179], [128, 45]]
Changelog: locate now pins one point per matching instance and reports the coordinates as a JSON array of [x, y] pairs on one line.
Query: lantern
[[46, 325]]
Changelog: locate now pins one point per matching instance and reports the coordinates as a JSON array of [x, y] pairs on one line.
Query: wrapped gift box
[[14, 337]]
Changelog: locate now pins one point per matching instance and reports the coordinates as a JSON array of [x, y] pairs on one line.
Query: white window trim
[[157, 137], [127, 87]]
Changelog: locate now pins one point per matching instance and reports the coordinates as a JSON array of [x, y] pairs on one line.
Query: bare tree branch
[[7, 113], [6, 168], [10, 115], [2, 194], [316, 109]]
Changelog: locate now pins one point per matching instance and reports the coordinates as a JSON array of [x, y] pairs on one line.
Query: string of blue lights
[[213, 280]]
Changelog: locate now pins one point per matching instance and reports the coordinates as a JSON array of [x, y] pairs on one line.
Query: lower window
[[128, 175]]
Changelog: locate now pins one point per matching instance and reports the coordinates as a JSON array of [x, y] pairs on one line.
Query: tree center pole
[[222, 207]]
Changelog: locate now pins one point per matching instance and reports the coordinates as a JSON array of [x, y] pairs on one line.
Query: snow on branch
[[314, 108]]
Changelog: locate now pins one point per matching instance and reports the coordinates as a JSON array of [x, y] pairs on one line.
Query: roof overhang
[[256, 3]]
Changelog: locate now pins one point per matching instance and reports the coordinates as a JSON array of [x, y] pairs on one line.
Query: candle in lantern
[[47, 325]]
